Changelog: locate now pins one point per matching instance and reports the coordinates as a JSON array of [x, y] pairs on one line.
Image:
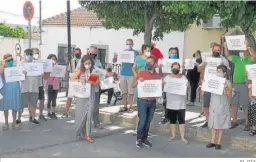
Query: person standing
[[176, 104], [201, 68], [240, 87], [219, 111], [74, 62], [85, 106], [126, 80], [11, 95], [193, 77], [156, 52], [146, 106]]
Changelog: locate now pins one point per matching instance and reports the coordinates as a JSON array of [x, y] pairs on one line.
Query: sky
[[11, 11]]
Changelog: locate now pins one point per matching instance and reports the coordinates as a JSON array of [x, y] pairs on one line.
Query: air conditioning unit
[[214, 23]]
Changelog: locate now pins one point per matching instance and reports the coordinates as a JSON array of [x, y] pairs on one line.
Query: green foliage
[[7, 31]]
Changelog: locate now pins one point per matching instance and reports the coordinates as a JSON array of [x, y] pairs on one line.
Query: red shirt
[[146, 75], [157, 53]]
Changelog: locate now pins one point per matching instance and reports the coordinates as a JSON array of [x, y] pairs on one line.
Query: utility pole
[[69, 67], [40, 20]]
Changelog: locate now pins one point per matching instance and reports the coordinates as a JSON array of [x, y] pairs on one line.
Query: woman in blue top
[[11, 95], [140, 63]]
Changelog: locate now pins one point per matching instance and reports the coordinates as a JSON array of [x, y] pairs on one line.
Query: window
[[63, 53]]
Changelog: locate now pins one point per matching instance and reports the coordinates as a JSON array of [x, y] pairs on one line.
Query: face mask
[[175, 71], [148, 54], [129, 46], [109, 70], [36, 56], [241, 54], [93, 56], [29, 57], [220, 75], [87, 66], [54, 62], [216, 54], [173, 56], [78, 56], [149, 66], [10, 63]]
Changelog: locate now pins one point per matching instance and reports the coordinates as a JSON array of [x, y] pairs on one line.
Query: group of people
[[26, 94], [147, 66]]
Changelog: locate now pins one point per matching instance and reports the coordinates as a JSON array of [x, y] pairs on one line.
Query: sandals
[[89, 139], [130, 110], [171, 139], [123, 109], [252, 132], [185, 141], [5, 127]]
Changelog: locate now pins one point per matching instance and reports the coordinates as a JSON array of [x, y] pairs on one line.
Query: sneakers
[[204, 125], [164, 121], [35, 122], [52, 115], [139, 143], [211, 145], [191, 104], [147, 143], [41, 117], [30, 119]]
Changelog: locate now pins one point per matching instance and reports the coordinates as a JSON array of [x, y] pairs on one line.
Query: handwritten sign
[[254, 87], [107, 83], [58, 71], [190, 63], [33, 69], [176, 86], [204, 55], [13, 74], [126, 56], [211, 67], [48, 67], [150, 88], [167, 65], [251, 71], [79, 90], [214, 84], [236, 42]]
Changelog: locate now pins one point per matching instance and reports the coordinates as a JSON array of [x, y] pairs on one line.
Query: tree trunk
[[148, 37], [149, 24]]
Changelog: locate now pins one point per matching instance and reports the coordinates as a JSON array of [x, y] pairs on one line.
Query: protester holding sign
[[240, 97], [146, 105], [219, 111], [52, 85], [202, 68], [11, 95], [176, 102], [85, 106]]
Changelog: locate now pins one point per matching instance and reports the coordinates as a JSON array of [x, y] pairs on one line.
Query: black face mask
[[78, 56], [93, 55], [109, 70], [175, 71], [216, 54]]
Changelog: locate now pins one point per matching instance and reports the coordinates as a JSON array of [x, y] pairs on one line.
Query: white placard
[[79, 90], [126, 56], [211, 67], [59, 71], [214, 84], [190, 63], [204, 55], [251, 71], [107, 83], [48, 67], [13, 74], [254, 87], [150, 88], [176, 86], [167, 65], [236, 42], [1, 83], [33, 69]]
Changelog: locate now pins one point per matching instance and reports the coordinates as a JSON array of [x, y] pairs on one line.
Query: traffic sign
[[28, 10]]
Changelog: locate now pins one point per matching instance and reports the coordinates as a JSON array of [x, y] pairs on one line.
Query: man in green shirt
[[240, 95]]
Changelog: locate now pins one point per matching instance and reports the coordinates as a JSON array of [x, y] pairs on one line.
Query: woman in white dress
[[220, 111]]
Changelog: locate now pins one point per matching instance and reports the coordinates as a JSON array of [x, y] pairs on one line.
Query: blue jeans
[[146, 110]]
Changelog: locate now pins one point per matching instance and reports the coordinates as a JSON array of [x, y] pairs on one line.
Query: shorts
[[126, 85], [206, 100], [176, 115], [41, 93], [29, 99], [240, 95]]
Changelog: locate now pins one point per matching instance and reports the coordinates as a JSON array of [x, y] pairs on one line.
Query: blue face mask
[[29, 57], [173, 56], [10, 63], [149, 66]]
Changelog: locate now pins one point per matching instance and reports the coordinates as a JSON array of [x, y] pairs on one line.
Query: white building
[[87, 29]]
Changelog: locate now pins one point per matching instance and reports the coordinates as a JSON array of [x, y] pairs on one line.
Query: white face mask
[[54, 62], [87, 66], [241, 54], [36, 56], [220, 75], [148, 54], [128, 46]]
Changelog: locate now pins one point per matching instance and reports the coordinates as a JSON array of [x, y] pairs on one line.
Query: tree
[[7, 31], [148, 16]]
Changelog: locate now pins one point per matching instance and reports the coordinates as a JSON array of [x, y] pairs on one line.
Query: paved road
[[55, 138]]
